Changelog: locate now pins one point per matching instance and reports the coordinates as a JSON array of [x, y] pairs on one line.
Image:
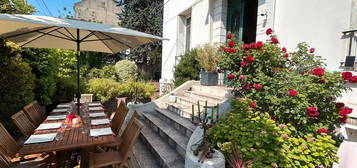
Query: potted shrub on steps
[[207, 57]]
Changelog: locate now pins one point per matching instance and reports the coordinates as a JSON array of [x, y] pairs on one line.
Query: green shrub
[[104, 89], [16, 83], [126, 69], [187, 69], [106, 72], [66, 89], [139, 90]]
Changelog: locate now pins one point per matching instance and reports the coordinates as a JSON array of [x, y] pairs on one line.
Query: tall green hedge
[[187, 69]]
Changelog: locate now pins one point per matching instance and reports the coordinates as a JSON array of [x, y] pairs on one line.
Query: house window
[[187, 33]]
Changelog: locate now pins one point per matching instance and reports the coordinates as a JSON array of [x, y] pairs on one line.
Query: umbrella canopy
[[49, 32]]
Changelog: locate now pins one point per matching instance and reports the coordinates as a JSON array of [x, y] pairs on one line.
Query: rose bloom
[[343, 119], [250, 59], [345, 111], [229, 36], [322, 130], [286, 55], [284, 135], [219, 70], [340, 105], [259, 44], [283, 50], [230, 76], [241, 77], [274, 40], [230, 50], [253, 45], [258, 86], [269, 31], [293, 92], [312, 112], [231, 43], [312, 50], [246, 46], [246, 87], [253, 104], [318, 72], [273, 118], [243, 64], [353, 79], [346, 75]]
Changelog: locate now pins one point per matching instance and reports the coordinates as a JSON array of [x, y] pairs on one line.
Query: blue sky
[[54, 6]]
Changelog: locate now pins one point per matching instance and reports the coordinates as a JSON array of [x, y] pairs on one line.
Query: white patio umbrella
[[49, 32]]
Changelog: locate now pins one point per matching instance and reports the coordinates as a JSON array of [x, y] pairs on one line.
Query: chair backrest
[[86, 98], [119, 117], [8, 145], [129, 139], [33, 114], [131, 121], [23, 123], [42, 111]]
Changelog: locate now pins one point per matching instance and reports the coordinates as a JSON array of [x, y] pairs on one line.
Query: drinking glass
[[59, 136]]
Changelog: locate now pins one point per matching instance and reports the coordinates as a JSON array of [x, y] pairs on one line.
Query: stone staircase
[[168, 125]]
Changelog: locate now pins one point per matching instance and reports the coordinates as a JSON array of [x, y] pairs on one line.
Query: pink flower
[[346, 75], [246, 87], [241, 77], [243, 64], [322, 130], [250, 59], [259, 44], [353, 79], [258, 86], [229, 36], [293, 92], [286, 55], [230, 76], [274, 40], [312, 112], [318, 72], [340, 105], [231, 43], [269, 31], [312, 50], [253, 104], [345, 111], [283, 50]]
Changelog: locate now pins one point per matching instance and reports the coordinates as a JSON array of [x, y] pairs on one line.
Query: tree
[[16, 7], [145, 16], [187, 69]]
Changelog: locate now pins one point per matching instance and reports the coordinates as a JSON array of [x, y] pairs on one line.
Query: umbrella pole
[[78, 73]]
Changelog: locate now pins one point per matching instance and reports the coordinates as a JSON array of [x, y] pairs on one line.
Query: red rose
[[241, 77], [230, 50], [283, 50], [269, 31], [318, 72], [346, 75], [286, 55], [243, 64], [259, 44], [312, 50], [293, 92], [230, 76], [345, 111], [340, 105], [246, 87], [274, 40], [322, 130], [253, 104], [353, 79], [343, 119], [231, 43], [229, 36], [252, 45], [219, 70], [250, 59], [246, 46], [258, 86], [273, 118], [312, 112]]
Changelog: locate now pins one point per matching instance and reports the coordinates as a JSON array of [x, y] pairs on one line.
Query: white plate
[[100, 121], [102, 114], [95, 108], [56, 117], [49, 126], [94, 104], [63, 106], [59, 111], [101, 131], [41, 138]]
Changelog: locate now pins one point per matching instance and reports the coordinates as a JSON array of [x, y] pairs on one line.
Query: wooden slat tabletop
[[73, 138]]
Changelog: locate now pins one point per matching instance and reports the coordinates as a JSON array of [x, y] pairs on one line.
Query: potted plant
[[207, 57]]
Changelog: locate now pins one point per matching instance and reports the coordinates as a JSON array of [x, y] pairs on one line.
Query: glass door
[[235, 16]]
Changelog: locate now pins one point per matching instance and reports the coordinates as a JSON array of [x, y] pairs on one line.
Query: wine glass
[[59, 136]]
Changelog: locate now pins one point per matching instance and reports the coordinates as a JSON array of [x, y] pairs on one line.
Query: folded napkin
[[101, 131], [95, 108], [56, 117], [49, 126], [59, 111], [94, 104], [41, 138], [100, 121], [63, 106], [102, 114]]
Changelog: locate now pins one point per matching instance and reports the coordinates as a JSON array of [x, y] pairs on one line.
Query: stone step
[[143, 156], [189, 101], [217, 90], [167, 132], [183, 125], [166, 156], [204, 96], [181, 109]]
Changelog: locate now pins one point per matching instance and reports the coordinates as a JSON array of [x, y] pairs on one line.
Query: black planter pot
[[209, 78]]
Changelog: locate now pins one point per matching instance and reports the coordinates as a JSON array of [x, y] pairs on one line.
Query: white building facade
[[320, 23]]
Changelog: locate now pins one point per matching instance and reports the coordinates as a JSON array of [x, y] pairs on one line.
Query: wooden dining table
[[73, 136]]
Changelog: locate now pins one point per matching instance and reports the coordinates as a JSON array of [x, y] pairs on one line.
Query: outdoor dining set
[[96, 139]]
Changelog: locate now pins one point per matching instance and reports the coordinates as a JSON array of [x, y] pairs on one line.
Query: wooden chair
[[33, 114], [23, 123], [40, 109], [119, 118], [86, 98], [121, 156]]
